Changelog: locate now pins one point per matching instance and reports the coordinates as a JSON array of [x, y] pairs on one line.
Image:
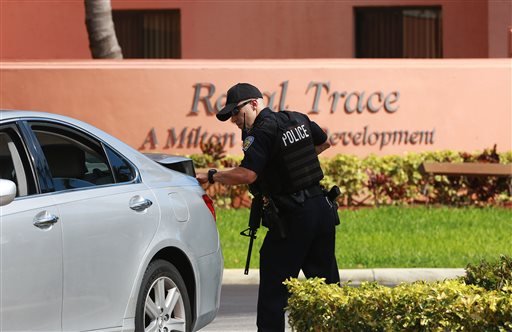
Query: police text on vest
[[294, 135]]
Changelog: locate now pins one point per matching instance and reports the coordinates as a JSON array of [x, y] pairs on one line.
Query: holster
[[331, 196], [334, 207], [272, 220]]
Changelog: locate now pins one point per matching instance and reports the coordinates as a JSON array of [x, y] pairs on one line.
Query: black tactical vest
[[295, 153]]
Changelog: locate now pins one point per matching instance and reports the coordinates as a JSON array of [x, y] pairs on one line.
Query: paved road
[[237, 309]]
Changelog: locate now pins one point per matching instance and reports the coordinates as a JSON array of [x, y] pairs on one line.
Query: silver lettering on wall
[[194, 137], [318, 92], [210, 88], [188, 138], [391, 99], [380, 138], [354, 101], [372, 108], [351, 102]]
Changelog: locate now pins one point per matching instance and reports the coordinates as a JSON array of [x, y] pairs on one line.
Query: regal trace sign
[[366, 106], [344, 102]]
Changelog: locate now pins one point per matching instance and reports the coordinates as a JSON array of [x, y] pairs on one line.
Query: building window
[[398, 32], [148, 34]]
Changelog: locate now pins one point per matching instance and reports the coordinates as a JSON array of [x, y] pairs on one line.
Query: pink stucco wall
[[43, 30], [246, 29], [500, 29], [441, 104]]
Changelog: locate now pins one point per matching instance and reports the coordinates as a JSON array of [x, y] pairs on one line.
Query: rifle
[[254, 224]]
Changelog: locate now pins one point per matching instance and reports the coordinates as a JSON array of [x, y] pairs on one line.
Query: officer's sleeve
[[257, 146], [319, 136]]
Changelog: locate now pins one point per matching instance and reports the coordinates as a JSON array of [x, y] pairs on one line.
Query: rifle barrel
[[254, 224], [249, 252]]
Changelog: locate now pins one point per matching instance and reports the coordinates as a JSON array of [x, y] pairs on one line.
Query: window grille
[[148, 34], [399, 32]]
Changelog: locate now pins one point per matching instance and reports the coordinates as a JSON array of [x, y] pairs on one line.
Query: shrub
[[491, 276], [384, 180], [479, 301], [345, 172], [441, 306]]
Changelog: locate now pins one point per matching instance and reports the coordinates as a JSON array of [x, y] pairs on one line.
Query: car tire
[[163, 304]]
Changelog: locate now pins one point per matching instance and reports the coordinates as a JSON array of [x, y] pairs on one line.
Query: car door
[[30, 245], [108, 221]]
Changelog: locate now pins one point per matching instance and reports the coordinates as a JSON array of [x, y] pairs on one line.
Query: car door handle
[[139, 203], [45, 220]]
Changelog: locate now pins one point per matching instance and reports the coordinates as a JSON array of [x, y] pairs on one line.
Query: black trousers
[[309, 246]]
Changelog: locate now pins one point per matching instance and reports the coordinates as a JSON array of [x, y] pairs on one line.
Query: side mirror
[[7, 191]]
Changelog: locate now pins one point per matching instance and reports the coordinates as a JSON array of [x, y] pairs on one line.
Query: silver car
[[97, 236]]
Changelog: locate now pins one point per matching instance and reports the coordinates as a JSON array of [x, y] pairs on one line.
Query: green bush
[[506, 157], [480, 301], [389, 180], [491, 276], [441, 306], [345, 172]]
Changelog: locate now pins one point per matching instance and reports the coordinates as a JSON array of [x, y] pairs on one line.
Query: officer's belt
[[312, 191]]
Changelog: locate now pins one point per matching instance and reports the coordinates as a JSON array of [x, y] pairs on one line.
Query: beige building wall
[[366, 106], [248, 29], [500, 28]]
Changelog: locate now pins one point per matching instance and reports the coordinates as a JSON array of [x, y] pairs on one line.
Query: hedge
[[375, 180], [450, 305]]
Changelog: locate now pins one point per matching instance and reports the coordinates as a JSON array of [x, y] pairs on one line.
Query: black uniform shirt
[[259, 143]]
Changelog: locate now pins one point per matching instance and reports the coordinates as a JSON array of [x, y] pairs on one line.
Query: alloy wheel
[[164, 310]]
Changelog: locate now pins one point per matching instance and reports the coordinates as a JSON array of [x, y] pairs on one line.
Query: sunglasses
[[237, 108]]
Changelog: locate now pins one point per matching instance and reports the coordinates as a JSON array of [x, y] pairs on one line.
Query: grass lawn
[[405, 237]]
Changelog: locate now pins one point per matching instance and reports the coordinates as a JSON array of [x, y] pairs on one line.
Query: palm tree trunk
[[100, 27]]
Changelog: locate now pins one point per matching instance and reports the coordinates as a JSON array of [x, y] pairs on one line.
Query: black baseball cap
[[236, 94]]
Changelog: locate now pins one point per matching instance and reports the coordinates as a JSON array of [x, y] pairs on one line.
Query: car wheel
[[163, 304]]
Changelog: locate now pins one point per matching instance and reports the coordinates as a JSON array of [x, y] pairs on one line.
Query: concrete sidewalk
[[356, 276]]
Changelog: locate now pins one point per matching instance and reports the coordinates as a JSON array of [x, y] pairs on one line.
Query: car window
[[123, 171], [72, 163], [77, 160], [14, 162]]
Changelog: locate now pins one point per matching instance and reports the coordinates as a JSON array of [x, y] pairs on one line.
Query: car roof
[[6, 115], [14, 114], [146, 165]]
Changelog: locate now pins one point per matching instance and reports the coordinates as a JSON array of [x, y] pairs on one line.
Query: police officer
[[280, 159]]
